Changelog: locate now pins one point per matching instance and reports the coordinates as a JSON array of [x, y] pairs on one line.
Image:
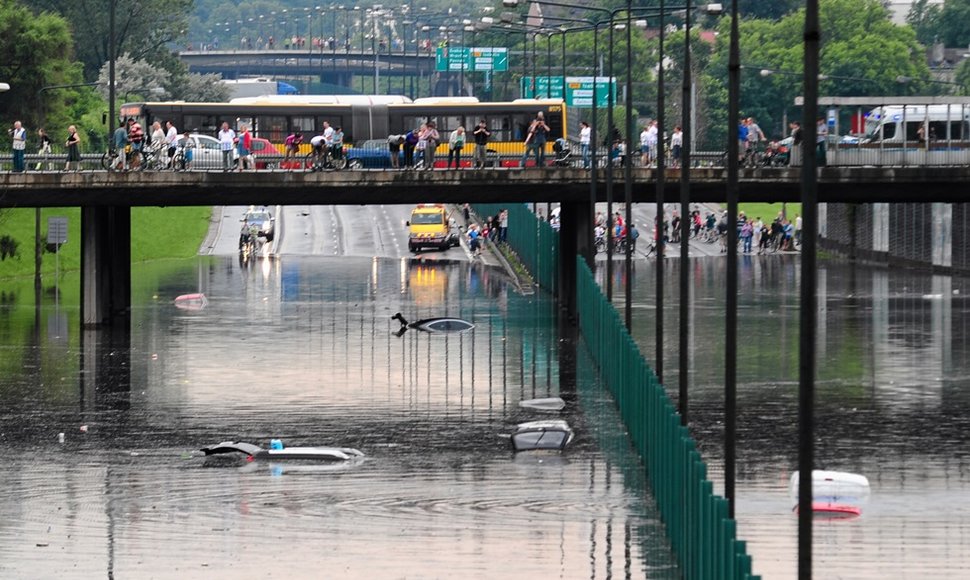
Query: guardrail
[[702, 535], [373, 155]]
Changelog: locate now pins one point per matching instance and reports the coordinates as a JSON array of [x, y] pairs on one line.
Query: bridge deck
[[99, 188]]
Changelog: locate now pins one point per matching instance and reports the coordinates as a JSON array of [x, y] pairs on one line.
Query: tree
[[925, 20], [142, 29], [859, 44], [952, 28], [196, 88], [36, 53], [133, 76]]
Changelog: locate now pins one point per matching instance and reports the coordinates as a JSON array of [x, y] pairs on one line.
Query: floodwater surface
[[892, 403], [302, 350]]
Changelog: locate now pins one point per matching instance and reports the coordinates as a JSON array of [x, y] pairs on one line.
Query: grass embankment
[[768, 211], [156, 233]]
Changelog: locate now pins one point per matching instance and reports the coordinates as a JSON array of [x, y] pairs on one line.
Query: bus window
[[412, 123], [520, 126], [937, 130], [302, 125], [205, 124], [450, 122], [272, 127], [912, 130], [554, 120]]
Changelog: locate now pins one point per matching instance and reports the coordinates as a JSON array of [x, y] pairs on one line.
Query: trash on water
[[60, 438], [84, 428]]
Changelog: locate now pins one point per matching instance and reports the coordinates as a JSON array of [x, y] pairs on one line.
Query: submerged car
[[277, 451], [551, 435]]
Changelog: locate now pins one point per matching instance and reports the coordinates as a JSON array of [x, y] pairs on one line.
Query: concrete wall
[[930, 235]]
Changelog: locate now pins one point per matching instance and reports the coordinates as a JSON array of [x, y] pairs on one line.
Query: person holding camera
[[536, 141], [481, 134], [19, 136]]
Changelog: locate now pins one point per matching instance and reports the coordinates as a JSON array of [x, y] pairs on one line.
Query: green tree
[[142, 29], [859, 44], [925, 20], [952, 28], [36, 53]]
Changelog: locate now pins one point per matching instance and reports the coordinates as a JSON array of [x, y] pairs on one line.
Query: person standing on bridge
[[584, 138], [120, 139], [244, 147], [45, 149], [171, 141], [431, 138], [535, 141], [19, 136], [481, 135], [394, 143], [226, 138], [456, 142], [73, 149], [410, 142]]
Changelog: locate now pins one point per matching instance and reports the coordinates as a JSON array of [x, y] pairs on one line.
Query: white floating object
[[196, 301], [836, 492], [60, 438], [546, 404], [84, 428]]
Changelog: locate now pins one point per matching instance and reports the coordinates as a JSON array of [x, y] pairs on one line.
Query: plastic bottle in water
[[275, 444]]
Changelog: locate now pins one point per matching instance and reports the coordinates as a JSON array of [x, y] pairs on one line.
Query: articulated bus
[[366, 119]]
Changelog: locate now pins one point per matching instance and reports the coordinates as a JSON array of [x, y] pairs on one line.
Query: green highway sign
[[474, 59], [579, 90]]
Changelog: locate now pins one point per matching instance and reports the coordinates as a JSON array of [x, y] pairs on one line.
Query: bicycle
[[109, 161], [323, 160]]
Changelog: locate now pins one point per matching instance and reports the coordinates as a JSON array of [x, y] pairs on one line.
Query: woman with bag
[[455, 144]]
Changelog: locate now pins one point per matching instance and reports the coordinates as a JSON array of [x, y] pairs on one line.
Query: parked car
[[371, 154], [207, 152]]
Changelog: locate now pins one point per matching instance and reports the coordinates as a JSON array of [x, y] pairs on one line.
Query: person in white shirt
[[171, 141], [676, 143], [227, 138], [584, 136], [19, 135], [652, 136], [645, 146], [327, 134]]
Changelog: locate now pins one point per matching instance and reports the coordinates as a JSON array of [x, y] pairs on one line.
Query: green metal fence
[[701, 533], [533, 240]]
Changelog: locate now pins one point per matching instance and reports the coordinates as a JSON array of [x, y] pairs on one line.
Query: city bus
[[365, 118]]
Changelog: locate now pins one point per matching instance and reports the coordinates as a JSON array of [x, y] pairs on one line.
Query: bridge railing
[[702, 535], [534, 241]]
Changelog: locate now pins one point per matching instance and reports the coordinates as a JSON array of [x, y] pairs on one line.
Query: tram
[[362, 118]]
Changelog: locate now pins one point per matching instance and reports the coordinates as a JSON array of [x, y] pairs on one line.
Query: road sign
[[579, 90], [471, 59], [57, 230]]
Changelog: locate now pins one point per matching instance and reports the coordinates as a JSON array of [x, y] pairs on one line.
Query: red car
[[266, 154]]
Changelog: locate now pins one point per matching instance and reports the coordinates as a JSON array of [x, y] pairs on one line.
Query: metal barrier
[[533, 240], [702, 535]]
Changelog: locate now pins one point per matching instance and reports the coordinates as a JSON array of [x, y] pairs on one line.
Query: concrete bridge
[[562, 185], [106, 198]]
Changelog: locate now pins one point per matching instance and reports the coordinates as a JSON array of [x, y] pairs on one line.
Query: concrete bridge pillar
[[942, 223], [105, 265], [575, 239], [880, 227]]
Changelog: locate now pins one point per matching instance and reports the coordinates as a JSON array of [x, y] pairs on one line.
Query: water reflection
[[892, 403], [303, 350]]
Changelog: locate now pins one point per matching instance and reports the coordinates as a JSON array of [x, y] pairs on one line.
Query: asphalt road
[[328, 230]]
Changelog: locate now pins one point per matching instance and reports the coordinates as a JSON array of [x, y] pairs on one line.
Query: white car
[[206, 151]]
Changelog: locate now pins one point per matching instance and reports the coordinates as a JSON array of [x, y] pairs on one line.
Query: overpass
[[105, 200]]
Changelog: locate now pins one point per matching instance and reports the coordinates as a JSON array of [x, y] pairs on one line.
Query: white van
[[940, 122]]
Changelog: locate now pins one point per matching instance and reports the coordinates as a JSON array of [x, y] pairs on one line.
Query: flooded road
[[301, 349], [893, 404]]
